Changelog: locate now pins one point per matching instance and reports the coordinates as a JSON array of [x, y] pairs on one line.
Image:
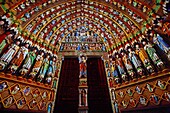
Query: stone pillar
[[83, 88]]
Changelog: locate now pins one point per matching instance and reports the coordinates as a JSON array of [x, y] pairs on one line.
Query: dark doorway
[[67, 93], [98, 93]]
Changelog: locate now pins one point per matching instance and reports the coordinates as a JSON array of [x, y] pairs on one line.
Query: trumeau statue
[[83, 66]]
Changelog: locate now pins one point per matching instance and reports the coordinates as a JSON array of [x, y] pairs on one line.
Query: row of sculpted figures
[[24, 60], [139, 59]]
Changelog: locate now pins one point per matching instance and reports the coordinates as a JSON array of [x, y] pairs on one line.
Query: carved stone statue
[[37, 66], [83, 66], [158, 40], [128, 64], [152, 54], [135, 60], [28, 62], [15, 89], [3, 86], [154, 98], [143, 100], [9, 55], [144, 58], [6, 40], [18, 59], [43, 69], [51, 70], [120, 67], [114, 71], [83, 97], [116, 107]]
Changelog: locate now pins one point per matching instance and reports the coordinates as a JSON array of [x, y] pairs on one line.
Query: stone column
[[83, 88]]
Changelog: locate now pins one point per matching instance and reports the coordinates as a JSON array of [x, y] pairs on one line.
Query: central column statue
[[83, 88]]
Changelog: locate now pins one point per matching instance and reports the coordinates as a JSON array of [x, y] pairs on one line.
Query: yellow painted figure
[[144, 57]]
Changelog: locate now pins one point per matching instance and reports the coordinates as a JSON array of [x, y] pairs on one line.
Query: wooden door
[[67, 93], [98, 93]]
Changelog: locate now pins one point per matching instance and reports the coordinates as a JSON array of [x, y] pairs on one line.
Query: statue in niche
[[37, 65], [29, 27], [108, 73], [114, 71], [9, 55], [124, 104], [36, 93], [110, 82], [3, 86], [51, 70], [143, 100], [9, 101], [152, 54], [42, 104], [166, 96], [44, 95], [130, 1], [26, 91], [161, 84], [15, 89], [144, 57], [132, 102], [16, 62], [103, 47], [83, 66], [86, 47], [130, 92], [29, 60], [116, 107], [121, 93], [33, 103], [135, 60], [7, 40], [27, 15], [106, 63], [54, 83], [21, 102], [158, 40], [128, 64], [120, 67], [43, 69], [144, 9], [78, 47], [149, 87], [3, 24], [83, 97], [113, 94], [138, 90], [154, 99], [62, 47], [49, 107]]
